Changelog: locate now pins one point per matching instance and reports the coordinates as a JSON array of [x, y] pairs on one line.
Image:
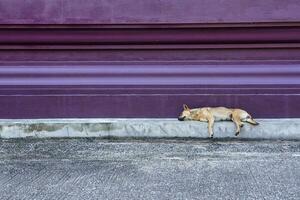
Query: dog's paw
[[211, 136], [237, 133], [242, 125]]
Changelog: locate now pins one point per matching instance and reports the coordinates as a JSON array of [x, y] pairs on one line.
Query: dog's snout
[[180, 118]]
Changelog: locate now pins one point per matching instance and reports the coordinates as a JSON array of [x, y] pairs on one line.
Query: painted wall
[[146, 11], [73, 58]]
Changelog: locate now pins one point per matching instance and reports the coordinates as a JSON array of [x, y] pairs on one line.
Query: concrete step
[[46, 128]]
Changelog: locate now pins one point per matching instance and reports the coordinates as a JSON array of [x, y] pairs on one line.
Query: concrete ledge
[[43, 128]]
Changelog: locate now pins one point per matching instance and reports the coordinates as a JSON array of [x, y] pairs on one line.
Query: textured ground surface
[[149, 169]]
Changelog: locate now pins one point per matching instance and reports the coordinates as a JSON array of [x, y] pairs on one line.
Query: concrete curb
[[46, 128]]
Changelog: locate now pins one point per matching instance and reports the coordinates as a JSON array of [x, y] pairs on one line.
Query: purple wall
[[102, 58], [147, 11]]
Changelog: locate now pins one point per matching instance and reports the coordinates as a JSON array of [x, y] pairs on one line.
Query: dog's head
[[186, 113]]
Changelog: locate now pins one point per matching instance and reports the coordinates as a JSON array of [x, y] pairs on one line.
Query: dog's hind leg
[[210, 127]]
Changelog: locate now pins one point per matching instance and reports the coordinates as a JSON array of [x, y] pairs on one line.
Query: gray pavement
[[149, 169]]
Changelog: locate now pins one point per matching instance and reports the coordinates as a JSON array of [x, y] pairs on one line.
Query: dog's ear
[[185, 107]]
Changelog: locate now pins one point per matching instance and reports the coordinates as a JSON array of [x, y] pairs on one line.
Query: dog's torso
[[220, 113], [217, 113]]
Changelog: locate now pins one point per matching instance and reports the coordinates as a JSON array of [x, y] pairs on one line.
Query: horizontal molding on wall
[[151, 42], [150, 37], [149, 74]]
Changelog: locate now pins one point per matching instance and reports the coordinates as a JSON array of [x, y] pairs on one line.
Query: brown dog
[[210, 115]]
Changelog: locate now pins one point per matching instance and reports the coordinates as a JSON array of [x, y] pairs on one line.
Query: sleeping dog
[[212, 114]]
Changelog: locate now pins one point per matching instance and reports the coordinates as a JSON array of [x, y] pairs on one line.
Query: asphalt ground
[[149, 169]]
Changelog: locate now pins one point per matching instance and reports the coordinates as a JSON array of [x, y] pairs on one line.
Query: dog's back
[[220, 113]]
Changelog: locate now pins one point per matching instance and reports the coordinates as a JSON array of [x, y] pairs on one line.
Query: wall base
[[47, 128]]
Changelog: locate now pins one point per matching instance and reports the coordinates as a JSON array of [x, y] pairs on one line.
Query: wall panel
[[66, 58]]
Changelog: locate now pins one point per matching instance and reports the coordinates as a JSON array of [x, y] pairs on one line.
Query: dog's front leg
[[210, 126]]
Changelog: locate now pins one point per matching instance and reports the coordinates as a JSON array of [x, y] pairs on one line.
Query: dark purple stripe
[[144, 36], [154, 55], [149, 89]]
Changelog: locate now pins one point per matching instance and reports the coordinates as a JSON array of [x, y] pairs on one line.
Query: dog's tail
[[250, 120]]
